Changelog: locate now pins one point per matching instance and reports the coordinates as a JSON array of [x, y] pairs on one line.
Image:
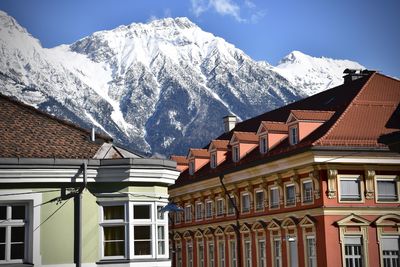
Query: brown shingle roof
[[273, 126], [220, 144], [29, 133], [246, 136], [361, 111], [199, 152], [180, 159], [315, 115]]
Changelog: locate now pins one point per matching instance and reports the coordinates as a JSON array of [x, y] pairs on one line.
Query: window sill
[[16, 264], [126, 261]]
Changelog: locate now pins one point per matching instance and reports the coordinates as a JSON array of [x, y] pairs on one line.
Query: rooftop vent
[[354, 74]]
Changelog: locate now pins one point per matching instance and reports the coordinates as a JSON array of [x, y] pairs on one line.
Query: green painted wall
[[91, 229]]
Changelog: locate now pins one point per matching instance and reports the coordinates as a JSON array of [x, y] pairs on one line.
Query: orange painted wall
[[305, 128], [275, 138], [200, 162], [246, 148]]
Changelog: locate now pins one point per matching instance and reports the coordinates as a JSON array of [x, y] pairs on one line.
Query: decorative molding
[[314, 175], [369, 184], [332, 178]]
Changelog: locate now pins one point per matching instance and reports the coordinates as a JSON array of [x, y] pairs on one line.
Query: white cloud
[[229, 8]]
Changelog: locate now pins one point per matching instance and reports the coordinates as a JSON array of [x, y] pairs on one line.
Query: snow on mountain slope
[[311, 74], [159, 87]]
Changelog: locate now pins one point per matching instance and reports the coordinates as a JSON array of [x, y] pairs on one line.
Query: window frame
[[293, 202], [294, 134], [220, 207], [221, 256], [191, 167], [232, 253], [188, 215], [199, 216], [263, 144], [200, 260], [247, 260], [310, 258], [381, 249], [257, 206], [209, 209], [392, 178], [213, 160], [211, 260], [261, 256], [243, 194], [351, 177], [270, 195], [236, 153], [303, 193], [230, 209]]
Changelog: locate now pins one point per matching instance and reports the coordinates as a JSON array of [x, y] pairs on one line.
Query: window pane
[[2, 251], [350, 189], [116, 248], [112, 233], [2, 235], [18, 212], [259, 200], [387, 190], [141, 212], [160, 215], [17, 251], [142, 232], [290, 195], [161, 247], [3, 212], [142, 247], [17, 234], [113, 212], [307, 192], [160, 232]]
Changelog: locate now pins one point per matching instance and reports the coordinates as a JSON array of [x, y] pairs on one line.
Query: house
[[70, 197], [307, 184]]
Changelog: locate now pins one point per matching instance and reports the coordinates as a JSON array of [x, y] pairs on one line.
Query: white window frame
[[209, 209], [262, 257], [220, 207], [211, 251], [311, 260], [230, 209], [354, 257], [243, 208], [233, 252], [290, 202], [390, 257], [271, 202], [213, 160], [199, 211], [189, 248], [294, 134], [247, 257], [307, 198], [258, 207], [383, 178], [33, 219], [276, 252], [351, 177], [236, 153], [191, 167], [221, 254], [178, 256], [200, 260], [263, 144]]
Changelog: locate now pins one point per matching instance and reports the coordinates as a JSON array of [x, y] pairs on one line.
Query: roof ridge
[[62, 121], [339, 119]]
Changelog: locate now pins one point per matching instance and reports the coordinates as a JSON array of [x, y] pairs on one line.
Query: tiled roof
[[359, 112], [246, 136], [180, 159], [29, 133], [220, 144], [273, 126], [317, 115], [199, 152]]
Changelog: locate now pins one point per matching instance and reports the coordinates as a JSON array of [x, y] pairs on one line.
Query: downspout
[[237, 228]]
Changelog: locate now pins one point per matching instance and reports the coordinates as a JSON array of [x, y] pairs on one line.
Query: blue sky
[[365, 31]]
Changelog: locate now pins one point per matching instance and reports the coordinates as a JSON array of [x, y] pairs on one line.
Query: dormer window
[[191, 167], [293, 135], [213, 161], [263, 145], [235, 154]]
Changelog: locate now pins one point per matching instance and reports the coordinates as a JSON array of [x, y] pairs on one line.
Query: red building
[[307, 184]]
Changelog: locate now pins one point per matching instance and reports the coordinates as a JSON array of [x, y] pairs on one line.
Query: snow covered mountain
[[158, 87]]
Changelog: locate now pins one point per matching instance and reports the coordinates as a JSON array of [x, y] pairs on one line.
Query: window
[[211, 254], [142, 222], [209, 208], [188, 213], [274, 198], [259, 200], [178, 217], [213, 161], [350, 188], [277, 260], [231, 207], [199, 211], [311, 251], [293, 136], [387, 190], [290, 195], [390, 251], [307, 191], [233, 257], [13, 233], [220, 207], [221, 253], [263, 145], [247, 253], [200, 253], [179, 256], [113, 225], [235, 154], [189, 253], [261, 253], [191, 167], [353, 251], [245, 202]]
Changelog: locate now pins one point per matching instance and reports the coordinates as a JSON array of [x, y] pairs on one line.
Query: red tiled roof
[[29, 133], [220, 144], [246, 136], [273, 126], [360, 111], [315, 115], [199, 152], [180, 159]]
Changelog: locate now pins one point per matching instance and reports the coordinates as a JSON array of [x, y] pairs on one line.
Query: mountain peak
[[8, 22], [294, 56]]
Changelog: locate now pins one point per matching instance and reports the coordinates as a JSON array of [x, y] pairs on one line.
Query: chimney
[[229, 122], [354, 74], [93, 135]]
